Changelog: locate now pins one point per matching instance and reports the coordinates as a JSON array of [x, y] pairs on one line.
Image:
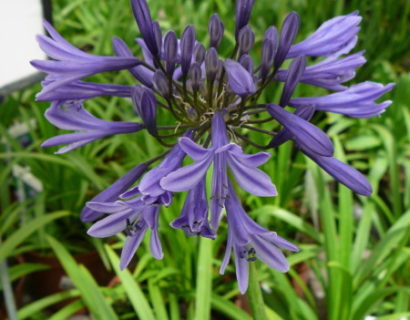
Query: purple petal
[[186, 177], [239, 79], [251, 179], [113, 192], [305, 134], [195, 151], [111, 225], [242, 271], [270, 254], [131, 245], [343, 173], [331, 37]]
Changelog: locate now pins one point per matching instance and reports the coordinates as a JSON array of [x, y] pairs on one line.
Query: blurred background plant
[[355, 252]]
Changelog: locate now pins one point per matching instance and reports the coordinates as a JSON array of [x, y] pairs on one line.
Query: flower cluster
[[214, 101]]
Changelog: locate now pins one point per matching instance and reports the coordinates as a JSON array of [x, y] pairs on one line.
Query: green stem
[[255, 295]]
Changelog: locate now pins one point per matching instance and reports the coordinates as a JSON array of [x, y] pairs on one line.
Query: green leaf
[[131, 287], [204, 280], [227, 308], [18, 237], [84, 282], [289, 218], [38, 305]]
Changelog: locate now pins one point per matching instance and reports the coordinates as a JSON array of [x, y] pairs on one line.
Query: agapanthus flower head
[[214, 102]]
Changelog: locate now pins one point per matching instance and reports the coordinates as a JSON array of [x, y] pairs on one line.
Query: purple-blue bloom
[[214, 102], [249, 241], [73, 116]]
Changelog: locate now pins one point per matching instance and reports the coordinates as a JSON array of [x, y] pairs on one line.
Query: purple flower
[[140, 72], [249, 241], [73, 116], [330, 72], [215, 105], [221, 154], [194, 215], [357, 101], [72, 64], [81, 90], [304, 133], [331, 36], [145, 25], [113, 192], [243, 13], [146, 107], [343, 173], [133, 217]]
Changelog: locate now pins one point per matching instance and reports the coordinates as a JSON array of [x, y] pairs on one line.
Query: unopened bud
[[246, 62], [216, 30], [212, 65], [199, 53], [195, 74], [170, 51], [161, 83], [246, 39], [187, 48]]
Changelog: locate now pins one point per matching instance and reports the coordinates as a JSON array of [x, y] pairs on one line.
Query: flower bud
[[243, 13], [216, 30], [144, 21], [199, 53], [146, 106], [187, 48], [246, 39], [211, 64], [157, 34], [195, 75], [296, 69], [268, 55], [170, 51], [288, 33], [161, 83], [246, 62], [239, 79]]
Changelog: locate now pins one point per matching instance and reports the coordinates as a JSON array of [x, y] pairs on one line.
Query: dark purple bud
[[246, 39], [144, 22], [268, 54], [195, 74], [199, 53], [170, 51], [146, 106], [216, 31], [271, 34], [268, 51], [239, 79], [296, 70], [187, 48], [158, 34], [246, 62], [288, 33], [161, 83], [243, 13], [211, 64]]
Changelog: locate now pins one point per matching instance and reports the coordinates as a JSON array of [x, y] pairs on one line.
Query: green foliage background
[[355, 251]]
